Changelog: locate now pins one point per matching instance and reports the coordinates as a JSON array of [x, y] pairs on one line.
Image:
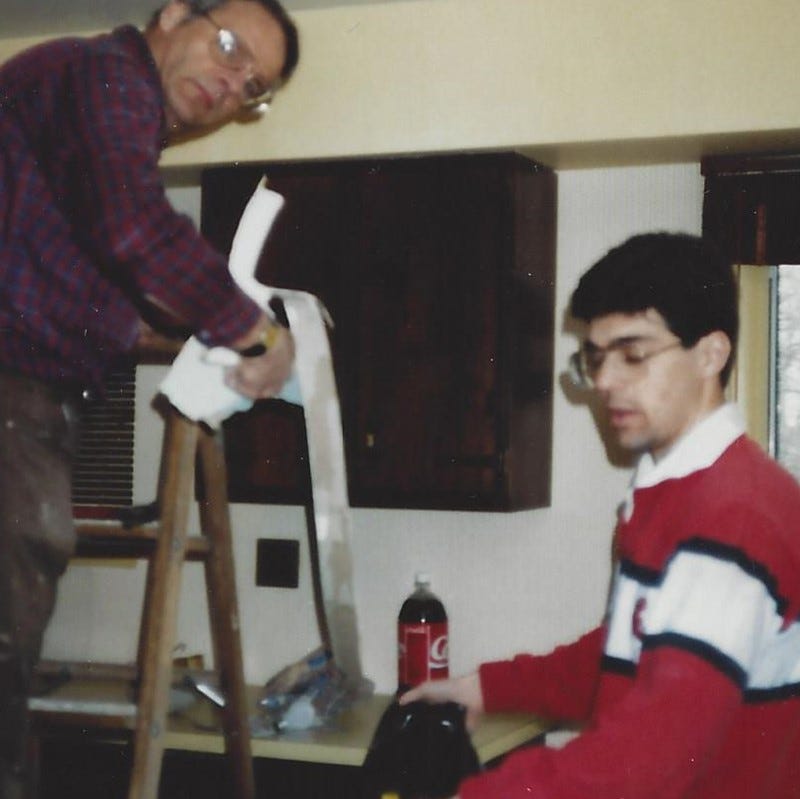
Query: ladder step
[[91, 695], [58, 672], [111, 715], [110, 539]]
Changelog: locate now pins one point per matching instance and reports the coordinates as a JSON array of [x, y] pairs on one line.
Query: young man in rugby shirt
[[89, 245], [690, 688]]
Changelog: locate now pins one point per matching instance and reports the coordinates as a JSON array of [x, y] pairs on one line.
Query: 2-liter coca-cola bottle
[[421, 637]]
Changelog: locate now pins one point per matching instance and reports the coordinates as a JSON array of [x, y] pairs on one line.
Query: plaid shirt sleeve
[[129, 225]]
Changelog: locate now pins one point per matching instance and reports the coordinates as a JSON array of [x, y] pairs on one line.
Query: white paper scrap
[[195, 385]]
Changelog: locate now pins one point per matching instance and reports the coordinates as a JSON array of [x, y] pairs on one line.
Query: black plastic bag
[[419, 751]]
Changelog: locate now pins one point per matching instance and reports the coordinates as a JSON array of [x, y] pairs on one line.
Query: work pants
[[38, 430]]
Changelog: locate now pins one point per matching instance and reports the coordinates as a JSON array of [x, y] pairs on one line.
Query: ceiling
[[47, 17]]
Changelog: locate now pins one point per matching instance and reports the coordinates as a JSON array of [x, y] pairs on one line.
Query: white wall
[[509, 581]]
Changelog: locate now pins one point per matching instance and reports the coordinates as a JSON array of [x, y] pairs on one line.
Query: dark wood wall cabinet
[[439, 275], [751, 206]]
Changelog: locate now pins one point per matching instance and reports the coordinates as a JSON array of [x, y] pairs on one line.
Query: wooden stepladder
[[188, 448]]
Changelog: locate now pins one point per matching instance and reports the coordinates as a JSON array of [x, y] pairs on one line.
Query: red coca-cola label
[[422, 653]]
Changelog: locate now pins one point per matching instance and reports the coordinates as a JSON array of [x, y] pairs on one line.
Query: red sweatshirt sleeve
[[560, 685], [651, 743]]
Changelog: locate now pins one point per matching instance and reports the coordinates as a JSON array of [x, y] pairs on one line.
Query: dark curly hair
[[682, 277]]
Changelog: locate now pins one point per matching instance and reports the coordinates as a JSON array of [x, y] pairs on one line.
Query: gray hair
[[272, 7]]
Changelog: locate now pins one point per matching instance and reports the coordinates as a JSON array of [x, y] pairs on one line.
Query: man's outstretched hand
[[464, 691]]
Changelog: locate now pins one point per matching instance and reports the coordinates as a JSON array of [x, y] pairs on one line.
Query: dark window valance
[[751, 207]]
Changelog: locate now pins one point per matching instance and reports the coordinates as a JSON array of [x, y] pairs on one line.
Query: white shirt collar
[[696, 449]]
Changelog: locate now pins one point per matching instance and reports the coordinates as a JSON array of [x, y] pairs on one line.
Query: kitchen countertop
[[345, 742]]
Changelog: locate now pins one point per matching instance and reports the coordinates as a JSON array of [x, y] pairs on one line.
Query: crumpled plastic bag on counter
[[305, 695]]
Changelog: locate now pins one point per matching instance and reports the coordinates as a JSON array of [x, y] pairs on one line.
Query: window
[[785, 385], [767, 380]]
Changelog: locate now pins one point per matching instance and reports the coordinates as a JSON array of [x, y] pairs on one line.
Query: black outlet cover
[[277, 562]]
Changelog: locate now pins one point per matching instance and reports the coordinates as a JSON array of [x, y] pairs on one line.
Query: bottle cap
[[422, 578]]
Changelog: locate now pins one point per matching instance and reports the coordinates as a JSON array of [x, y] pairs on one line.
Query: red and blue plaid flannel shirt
[[87, 235]]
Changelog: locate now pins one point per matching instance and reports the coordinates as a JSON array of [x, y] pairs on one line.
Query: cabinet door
[[430, 265], [425, 268], [265, 448]]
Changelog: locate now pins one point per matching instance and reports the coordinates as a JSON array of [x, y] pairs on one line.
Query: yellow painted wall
[[573, 82]]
